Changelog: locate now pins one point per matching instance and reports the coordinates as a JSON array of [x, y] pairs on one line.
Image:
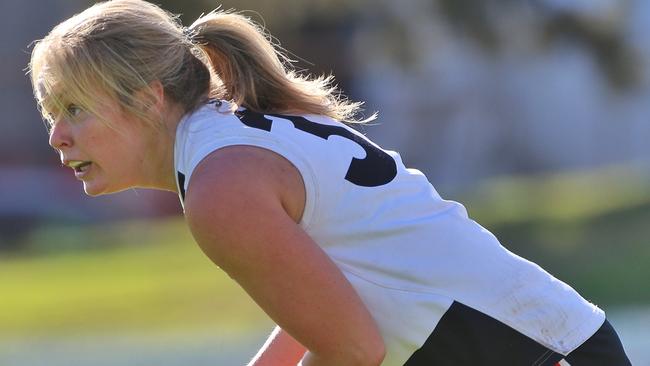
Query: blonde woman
[[356, 258]]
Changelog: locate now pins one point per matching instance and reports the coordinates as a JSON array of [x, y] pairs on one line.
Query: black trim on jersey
[[467, 337], [376, 169], [181, 184], [254, 119], [602, 348]]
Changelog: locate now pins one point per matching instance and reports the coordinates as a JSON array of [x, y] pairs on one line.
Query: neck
[[162, 168]]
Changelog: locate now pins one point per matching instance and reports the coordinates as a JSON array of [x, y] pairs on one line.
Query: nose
[[60, 136]]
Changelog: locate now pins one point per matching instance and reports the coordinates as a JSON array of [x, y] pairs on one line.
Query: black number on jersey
[[376, 169]]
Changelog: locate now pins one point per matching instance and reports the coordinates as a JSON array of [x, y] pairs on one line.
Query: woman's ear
[[156, 96], [151, 98]]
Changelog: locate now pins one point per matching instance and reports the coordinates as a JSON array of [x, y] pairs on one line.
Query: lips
[[79, 166]]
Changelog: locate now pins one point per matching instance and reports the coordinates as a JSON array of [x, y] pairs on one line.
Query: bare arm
[[237, 208], [279, 350]]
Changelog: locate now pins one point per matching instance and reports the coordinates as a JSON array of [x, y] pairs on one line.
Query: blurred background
[[534, 114]]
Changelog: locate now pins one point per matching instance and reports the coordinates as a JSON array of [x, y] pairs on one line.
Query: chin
[[94, 190]]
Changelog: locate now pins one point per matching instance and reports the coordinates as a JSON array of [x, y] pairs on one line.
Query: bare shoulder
[[242, 205], [243, 177]]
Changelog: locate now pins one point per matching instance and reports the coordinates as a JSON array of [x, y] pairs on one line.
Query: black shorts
[[466, 337]]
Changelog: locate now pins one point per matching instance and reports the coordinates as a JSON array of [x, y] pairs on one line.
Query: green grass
[[156, 279]]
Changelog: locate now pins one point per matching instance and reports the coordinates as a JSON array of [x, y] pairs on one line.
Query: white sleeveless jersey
[[408, 253]]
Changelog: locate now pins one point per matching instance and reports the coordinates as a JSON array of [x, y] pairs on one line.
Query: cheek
[[108, 149], [119, 153], [126, 154]]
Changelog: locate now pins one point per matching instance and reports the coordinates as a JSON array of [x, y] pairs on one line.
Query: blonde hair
[[117, 48]]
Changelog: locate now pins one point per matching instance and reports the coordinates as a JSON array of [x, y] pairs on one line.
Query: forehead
[[41, 89], [54, 94], [46, 85], [49, 89], [63, 78]]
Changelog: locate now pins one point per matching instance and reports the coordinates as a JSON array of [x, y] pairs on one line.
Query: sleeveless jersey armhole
[[286, 149]]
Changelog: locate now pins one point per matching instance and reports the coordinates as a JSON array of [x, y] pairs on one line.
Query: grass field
[[155, 279]]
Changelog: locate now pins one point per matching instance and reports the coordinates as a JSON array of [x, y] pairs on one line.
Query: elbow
[[372, 353], [377, 356], [372, 350]]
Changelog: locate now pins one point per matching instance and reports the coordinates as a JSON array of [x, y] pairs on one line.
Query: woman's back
[[409, 254]]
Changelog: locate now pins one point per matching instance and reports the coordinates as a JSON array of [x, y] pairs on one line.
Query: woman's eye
[[74, 110]]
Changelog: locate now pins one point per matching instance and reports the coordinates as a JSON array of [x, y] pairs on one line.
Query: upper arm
[[236, 206]]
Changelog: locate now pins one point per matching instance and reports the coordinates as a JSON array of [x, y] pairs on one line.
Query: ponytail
[[252, 73]]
